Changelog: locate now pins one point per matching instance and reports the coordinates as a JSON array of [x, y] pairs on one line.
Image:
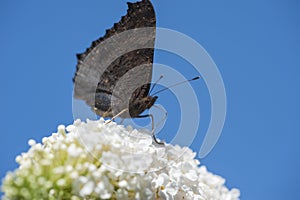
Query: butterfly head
[[137, 106], [149, 101]]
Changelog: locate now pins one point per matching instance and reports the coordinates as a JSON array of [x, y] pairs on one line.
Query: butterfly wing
[[118, 66]]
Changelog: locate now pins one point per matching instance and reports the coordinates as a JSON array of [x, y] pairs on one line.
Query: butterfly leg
[[122, 120], [152, 132], [114, 117], [165, 115]]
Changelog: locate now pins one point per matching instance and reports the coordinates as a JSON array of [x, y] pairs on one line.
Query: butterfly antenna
[[195, 78], [161, 76]]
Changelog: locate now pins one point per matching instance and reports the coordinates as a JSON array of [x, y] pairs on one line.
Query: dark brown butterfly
[[113, 76]]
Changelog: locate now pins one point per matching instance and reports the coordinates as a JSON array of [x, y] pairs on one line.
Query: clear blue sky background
[[254, 43]]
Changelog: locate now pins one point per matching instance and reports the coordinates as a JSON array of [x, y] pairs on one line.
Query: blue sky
[[255, 45]]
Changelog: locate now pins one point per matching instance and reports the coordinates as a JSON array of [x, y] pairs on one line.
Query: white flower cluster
[[98, 161]]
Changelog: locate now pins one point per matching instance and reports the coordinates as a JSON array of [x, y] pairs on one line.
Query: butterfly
[[113, 76]]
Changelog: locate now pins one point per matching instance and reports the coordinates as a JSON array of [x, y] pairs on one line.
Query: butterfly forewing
[[117, 69]]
